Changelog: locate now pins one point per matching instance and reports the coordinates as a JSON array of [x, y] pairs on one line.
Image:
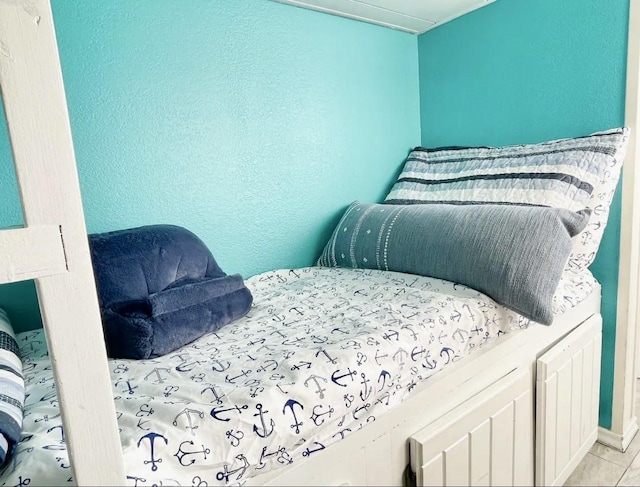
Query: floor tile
[[593, 470], [616, 456], [632, 475]]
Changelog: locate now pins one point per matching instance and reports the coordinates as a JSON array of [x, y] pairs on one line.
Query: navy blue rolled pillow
[[513, 254]]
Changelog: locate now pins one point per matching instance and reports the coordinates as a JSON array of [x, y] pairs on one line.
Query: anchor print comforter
[[323, 352]]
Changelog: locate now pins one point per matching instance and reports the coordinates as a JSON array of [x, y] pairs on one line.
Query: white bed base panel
[[567, 396], [379, 453], [487, 440]]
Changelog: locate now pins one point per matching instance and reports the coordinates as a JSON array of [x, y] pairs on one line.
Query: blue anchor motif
[[120, 369], [329, 358], [317, 418], [335, 377], [187, 366], [152, 438], [136, 479], [301, 364], [217, 396], [51, 397], [401, 352], [280, 386], [157, 371], [441, 336], [268, 366], [62, 440], [264, 432], [216, 411], [351, 344], [448, 352], [220, 367], [228, 473], [198, 482], [417, 352], [309, 451], [385, 397], [348, 400], [180, 454], [144, 410], [364, 407], [383, 376], [411, 330], [342, 433], [459, 333], [232, 380], [129, 389], [366, 389], [428, 362], [378, 357], [234, 438], [291, 403], [46, 418], [187, 412], [255, 391], [319, 389], [281, 455], [197, 377], [170, 390]]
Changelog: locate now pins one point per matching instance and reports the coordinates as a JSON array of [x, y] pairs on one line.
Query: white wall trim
[[618, 442], [625, 343]]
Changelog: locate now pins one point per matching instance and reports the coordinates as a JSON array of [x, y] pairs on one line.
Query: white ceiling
[[415, 16]]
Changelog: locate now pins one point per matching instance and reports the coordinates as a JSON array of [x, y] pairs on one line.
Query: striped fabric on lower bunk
[[323, 352], [11, 389]]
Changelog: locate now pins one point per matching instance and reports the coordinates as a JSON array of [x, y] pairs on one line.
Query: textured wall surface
[[252, 123], [521, 72]]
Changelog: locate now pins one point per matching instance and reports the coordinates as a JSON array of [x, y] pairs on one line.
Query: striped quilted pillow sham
[[11, 390], [572, 174]]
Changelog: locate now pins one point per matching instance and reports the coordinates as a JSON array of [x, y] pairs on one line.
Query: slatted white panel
[[568, 379], [40, 135], [487, 440], [28, 253], [433, 474], [480, 455]]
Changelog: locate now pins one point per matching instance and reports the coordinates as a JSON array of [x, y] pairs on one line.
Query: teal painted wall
[[527, 71], [252, 123]]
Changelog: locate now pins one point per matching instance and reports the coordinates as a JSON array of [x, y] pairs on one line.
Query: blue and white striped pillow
[[572, 174], [11, 389]]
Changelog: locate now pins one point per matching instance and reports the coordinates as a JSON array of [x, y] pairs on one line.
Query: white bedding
[[323, 352]]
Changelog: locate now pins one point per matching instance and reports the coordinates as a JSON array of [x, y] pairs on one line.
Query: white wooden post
[[624, 422], [40, 134]]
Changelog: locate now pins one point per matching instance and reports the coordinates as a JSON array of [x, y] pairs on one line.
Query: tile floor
[[606, 466]]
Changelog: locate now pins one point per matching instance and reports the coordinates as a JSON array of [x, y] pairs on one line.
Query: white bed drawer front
[[486, 440], [568, 385]]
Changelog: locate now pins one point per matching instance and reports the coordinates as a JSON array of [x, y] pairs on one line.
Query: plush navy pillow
[[514, 254], [160, 288]]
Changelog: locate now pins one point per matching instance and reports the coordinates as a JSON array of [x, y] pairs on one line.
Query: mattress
[[322, 353]]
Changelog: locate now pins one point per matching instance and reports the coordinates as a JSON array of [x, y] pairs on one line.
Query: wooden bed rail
[[40, 134]]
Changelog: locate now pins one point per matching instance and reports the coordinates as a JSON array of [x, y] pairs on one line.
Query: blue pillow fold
[[159, 289]]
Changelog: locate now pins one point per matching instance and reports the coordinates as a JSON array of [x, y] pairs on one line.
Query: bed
[[322, 353], [486, 398]]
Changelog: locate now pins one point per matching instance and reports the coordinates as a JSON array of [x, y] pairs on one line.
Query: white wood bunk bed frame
[[529, 417]]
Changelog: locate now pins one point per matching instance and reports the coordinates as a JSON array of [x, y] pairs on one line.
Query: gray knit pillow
[[513, 254]]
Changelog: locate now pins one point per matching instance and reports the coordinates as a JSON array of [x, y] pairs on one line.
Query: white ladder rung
[[31, 252]]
